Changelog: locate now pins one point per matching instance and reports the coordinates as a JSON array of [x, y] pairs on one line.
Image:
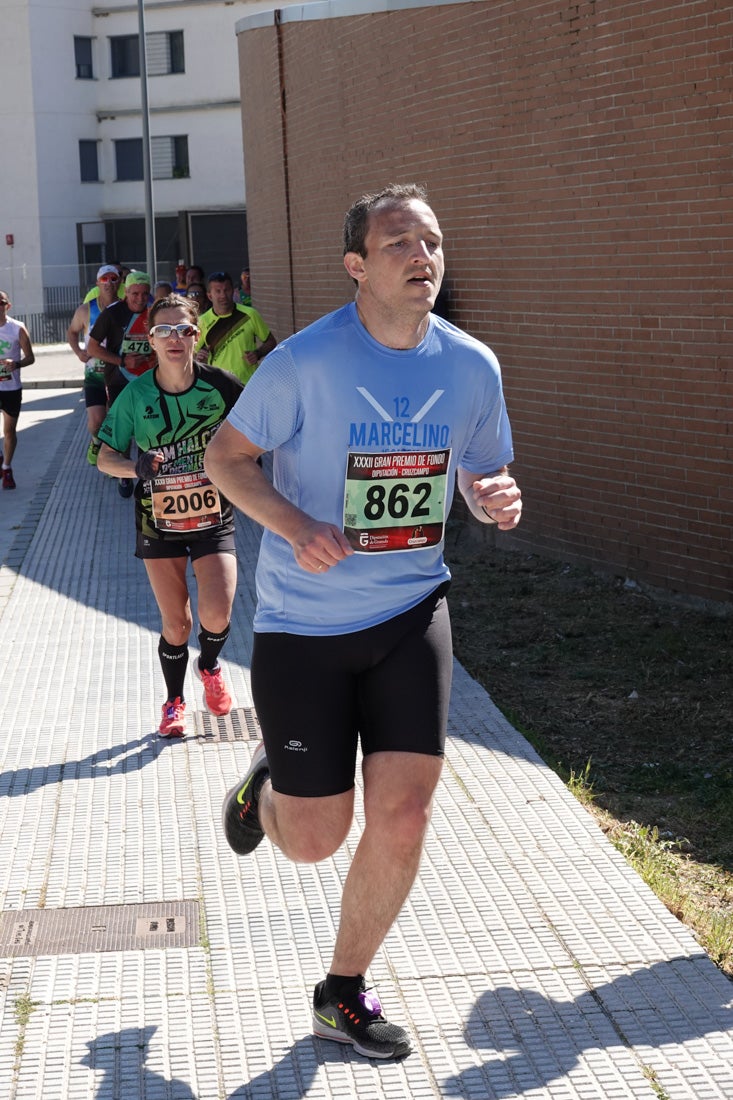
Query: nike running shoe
[[216, 697], [173, 720], [357, 1018], [92, 452], [125, 487], [239, 813], [8, 479]]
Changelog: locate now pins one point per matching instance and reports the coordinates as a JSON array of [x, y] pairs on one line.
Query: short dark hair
[[173, 301], [356, 221], [220, 277]]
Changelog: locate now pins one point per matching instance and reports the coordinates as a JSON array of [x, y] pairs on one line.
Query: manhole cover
[[239, 725], [99, 928]]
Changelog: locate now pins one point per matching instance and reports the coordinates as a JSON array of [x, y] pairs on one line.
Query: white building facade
[[71, 135]]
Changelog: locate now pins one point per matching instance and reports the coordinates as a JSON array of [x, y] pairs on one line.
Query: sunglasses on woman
[[181, 331]]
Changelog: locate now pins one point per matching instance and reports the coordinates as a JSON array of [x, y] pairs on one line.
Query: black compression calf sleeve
[[174, 662], [211, 646]]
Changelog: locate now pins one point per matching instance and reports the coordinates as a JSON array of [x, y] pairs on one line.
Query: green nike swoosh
[[241, 794], [331, 1022]]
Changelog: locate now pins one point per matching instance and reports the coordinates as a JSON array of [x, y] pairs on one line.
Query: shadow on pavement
[[131, 756], [528, 1029], [121, 1056]]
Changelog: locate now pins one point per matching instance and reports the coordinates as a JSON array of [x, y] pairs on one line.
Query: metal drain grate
[[239, 725], [99, 928]]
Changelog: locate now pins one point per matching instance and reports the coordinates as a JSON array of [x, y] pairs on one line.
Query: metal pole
[[150, 257]]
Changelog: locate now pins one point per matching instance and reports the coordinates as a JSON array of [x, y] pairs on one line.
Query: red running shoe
[[216, 697], [173, 720]]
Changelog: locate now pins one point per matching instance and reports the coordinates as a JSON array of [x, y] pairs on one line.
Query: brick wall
[[578, 158]]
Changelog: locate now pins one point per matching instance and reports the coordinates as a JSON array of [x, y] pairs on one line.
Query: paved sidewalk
[[56, 367], [139, 958]]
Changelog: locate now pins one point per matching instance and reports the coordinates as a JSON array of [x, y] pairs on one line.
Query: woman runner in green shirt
[[172, 412]]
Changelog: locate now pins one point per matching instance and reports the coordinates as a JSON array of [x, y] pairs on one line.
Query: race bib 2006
[[395, 501], [185, 502]]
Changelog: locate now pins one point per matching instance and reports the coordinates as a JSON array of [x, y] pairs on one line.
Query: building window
[[88, 162], [124, 57], [129, 158], [164, 54], [83, 58], [168, 158]]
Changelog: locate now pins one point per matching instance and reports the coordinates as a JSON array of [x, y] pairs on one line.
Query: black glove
[[147, 464]]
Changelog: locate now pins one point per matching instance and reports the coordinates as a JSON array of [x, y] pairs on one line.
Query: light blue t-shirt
[[368, 438]]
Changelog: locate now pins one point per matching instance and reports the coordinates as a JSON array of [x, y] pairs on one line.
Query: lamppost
[[150, 257]]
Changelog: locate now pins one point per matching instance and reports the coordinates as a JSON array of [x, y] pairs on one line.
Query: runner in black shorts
[[16, 351], [172, 412], [77, 335], [372, 414], [118, 340]]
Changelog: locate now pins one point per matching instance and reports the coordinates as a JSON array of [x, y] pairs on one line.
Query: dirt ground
[[595, 670]]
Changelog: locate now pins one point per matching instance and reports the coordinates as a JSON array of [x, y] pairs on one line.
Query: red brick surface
[[578, 157]]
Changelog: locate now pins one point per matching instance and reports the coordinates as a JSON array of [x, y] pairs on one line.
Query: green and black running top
[[180, 501]]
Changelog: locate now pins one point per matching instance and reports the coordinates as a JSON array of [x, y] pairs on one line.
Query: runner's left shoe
[[356, 1018], [125, 487], [216, 697], [8, 479]]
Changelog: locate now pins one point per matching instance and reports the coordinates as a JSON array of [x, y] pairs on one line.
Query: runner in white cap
[[77, 335], [119, 337]]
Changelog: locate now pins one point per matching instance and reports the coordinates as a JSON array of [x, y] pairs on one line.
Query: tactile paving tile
[[528, 961]]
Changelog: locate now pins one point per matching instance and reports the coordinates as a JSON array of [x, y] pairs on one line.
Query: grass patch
[[629, 700], [24, 1009]]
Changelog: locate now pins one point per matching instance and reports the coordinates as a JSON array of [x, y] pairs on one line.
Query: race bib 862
[[395, 501]]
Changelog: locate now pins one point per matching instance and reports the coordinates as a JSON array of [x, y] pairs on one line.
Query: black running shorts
[[10, 402], [219, 540], [95, 394], [316, 697]]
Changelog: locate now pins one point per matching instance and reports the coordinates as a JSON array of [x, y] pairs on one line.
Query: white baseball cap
[[107, 269]]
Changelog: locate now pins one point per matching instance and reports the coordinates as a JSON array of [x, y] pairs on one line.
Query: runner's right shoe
[[356, 1018], [239, 813], [173, 719], [8, 479]]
